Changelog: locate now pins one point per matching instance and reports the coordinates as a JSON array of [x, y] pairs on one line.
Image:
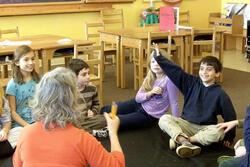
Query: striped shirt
[[89, 97]]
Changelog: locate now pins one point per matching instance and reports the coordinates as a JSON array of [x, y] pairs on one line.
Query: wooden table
[[137, 38], [45, 44]]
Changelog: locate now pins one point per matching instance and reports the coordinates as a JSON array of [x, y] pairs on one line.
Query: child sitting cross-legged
[[21, 88], [89, 118], [204, 99], [156, 96]]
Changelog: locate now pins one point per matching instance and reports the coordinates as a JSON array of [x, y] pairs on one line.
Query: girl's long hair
[[18, 54], [148, 82]]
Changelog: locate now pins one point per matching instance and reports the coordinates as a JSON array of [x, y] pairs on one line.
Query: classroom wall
[[71, 25]]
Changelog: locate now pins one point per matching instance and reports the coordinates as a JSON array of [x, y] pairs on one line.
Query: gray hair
[[55, 100]]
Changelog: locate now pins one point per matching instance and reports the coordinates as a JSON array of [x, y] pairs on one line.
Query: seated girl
[[21, 87]]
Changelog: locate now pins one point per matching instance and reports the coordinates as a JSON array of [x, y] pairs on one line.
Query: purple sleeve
[[141, 96], [173, 98]]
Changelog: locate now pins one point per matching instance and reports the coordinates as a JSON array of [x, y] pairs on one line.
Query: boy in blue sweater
[[204, 99]]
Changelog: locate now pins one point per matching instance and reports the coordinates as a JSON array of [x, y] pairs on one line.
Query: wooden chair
[[88, 54], [215, 19], [166, 45], [184, 18], [198, 51], [112, 17], [4, 66], [92, 34]]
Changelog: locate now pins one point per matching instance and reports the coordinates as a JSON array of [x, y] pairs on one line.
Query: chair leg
[[66, 61], [5, 71], [135, 76], [100, 93], [191, 67]]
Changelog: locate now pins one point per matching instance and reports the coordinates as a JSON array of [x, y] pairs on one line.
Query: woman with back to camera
[[53, 140]]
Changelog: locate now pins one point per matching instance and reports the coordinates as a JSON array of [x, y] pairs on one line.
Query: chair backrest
[[112, 17], [203, 43], [92, 55], [219, 21], [184, 18], [9, 31], [91, 30], [204, 32], [164, 37]]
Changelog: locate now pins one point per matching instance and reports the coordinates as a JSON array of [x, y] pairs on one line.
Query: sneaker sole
[[187, 152]]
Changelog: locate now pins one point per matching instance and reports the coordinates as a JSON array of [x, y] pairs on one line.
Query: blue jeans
[[131, 115]]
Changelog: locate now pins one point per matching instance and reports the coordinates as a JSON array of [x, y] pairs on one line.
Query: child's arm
[[14, 115], [143, 96], [173, 98], [177, 75], [5, 120], [95, 104], [5, 130], [228, 114]]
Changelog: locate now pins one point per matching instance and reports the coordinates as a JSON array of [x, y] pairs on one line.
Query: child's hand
[[90, 114], [156, 48], [3, 135], [156, 90]]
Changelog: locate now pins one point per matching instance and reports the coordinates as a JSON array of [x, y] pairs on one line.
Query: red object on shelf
[[166, 18]]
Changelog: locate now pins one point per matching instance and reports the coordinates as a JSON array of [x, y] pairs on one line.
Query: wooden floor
[[234, 59]]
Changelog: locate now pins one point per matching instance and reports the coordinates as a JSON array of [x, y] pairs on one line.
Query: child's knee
[[165, 119], [210, 135]]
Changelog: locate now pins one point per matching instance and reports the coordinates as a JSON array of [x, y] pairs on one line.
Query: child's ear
[[217, 75]]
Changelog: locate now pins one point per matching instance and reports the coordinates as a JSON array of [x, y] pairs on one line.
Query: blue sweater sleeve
[[228, 114], [247, 130], [177, 75]]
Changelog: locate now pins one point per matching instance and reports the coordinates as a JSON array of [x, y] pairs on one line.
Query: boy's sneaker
[[101, 132], [187, 150], [172, 144]]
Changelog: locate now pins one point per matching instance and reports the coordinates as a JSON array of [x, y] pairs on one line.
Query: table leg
[[122, 65]]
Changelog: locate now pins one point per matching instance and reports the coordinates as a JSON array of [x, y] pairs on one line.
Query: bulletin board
[[37, 7]]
